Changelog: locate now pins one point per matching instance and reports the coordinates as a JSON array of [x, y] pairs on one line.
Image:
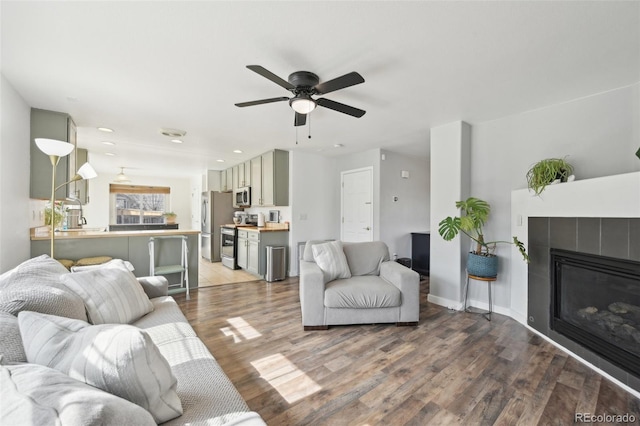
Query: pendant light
[[121, 177]]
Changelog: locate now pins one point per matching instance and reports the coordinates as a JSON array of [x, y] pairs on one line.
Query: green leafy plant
[[546, 171], [638, 153], [474, 214], [56, 212]]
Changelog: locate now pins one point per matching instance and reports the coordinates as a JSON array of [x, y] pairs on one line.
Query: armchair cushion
[[362, 292], [365, 258], [331, 259]]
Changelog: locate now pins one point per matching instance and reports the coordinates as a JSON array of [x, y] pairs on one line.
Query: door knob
[[367, 228]]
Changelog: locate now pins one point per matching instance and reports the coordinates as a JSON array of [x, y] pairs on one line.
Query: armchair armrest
[[154, 286], [408, 282], [311, 294]]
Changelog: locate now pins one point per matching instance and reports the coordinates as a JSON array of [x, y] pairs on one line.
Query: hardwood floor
[[453, 368]]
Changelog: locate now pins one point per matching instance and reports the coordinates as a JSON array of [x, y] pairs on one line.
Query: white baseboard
[[457, 306]]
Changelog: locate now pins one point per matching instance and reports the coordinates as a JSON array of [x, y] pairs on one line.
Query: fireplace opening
[[595, 301]]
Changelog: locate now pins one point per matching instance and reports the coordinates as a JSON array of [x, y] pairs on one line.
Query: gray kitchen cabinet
[[50, 125], [256, 181], [270, 179], [223, 181], [247, 173], [229, 173], [252, 249], [80, 188], [253, 253], [242, 177], [242, 249]]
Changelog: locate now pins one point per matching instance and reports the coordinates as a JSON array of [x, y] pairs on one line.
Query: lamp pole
[[54, 163]]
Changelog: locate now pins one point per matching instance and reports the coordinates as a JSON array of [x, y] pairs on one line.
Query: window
[[135, 204]]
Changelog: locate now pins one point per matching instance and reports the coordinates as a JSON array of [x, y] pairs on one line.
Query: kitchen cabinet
[[80, 188], [247, 173], [229, 174], [50, 125], [252, 249], [242, 249], [211, 181], [223, 181], [270, 179]]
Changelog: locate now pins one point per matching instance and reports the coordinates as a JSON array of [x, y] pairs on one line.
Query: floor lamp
[[56, 149]]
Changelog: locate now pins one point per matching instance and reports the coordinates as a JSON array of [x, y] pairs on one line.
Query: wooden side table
[[488, 280]]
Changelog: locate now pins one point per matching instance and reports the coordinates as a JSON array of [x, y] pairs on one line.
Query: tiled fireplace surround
[[612, 237]]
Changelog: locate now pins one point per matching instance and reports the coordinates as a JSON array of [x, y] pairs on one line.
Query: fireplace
[[595, 301]]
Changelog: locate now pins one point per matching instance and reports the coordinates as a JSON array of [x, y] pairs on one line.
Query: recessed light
[[105, 129], [110, 154], [176, 141], [338, 145], [173, 133], [108, 143], [220, 161], [237, 151]]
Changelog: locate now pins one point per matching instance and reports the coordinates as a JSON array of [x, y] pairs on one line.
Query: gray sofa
[[207, 395], [377, 291]]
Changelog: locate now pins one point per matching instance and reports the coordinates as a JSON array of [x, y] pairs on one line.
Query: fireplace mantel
[[610, 196]]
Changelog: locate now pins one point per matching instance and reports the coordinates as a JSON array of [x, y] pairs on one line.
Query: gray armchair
[[378, 291]]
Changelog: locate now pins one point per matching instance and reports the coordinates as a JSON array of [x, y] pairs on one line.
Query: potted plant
[[54, 213], [546, 172], [482, 261], [170, 217]]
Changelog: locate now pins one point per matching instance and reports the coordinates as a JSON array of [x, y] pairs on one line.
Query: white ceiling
[[139, 66]]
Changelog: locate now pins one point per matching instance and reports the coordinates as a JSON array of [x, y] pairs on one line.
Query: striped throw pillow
[[111, 295], [119, 359], [331, 259]]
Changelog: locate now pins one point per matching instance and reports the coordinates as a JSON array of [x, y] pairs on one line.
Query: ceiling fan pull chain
[[296, 136], [309, 116]]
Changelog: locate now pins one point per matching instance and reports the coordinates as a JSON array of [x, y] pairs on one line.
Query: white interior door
[[357, 205]]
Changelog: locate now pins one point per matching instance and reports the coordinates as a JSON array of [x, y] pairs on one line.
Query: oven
[[228, 249]]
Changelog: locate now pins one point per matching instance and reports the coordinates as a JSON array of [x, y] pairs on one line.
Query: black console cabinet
[[420, 252]]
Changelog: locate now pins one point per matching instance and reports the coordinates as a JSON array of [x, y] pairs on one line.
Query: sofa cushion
[[362, 292], [111, 295], [35, 285], [113, 263], [331, 259], [36, 395], [11, 349], [120, 359], [365, 258], [166, 323]]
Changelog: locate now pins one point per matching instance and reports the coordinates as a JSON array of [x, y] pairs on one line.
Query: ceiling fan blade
[[300, 119], [262, 101], [338, 83], [337, 106], [271, 76]]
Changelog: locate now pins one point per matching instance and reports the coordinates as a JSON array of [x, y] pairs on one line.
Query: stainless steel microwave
[[242, 197]]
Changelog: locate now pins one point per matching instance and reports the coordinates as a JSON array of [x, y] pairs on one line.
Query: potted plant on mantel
[[482, 261], [548, 171]]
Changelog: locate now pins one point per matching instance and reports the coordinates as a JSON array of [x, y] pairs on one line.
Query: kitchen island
[[127, 245]]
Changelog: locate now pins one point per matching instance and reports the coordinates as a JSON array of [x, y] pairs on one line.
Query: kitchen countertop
[[42, 233], [276, 227]]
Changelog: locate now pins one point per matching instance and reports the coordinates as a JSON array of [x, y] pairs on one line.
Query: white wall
[[450, 154], [599, 134], [315, 206], [411, 212], [97, 209], [15, 134]]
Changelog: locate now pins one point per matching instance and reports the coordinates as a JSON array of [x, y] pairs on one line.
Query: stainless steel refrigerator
[[217, 209]]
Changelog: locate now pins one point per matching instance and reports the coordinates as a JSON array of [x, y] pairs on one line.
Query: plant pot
[[482, 266]]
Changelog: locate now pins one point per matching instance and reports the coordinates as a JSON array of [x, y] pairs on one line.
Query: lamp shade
[[87, 172], [54, 147], [303, 104]]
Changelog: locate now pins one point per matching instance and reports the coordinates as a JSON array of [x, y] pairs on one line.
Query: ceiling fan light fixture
[[121, 177], [302, 104]]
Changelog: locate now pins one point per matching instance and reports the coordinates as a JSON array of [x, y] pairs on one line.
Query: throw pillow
[[11, 349], [331, 259], [114, 263], [119, 359], [35, 285], [36, 395], [111, 295]]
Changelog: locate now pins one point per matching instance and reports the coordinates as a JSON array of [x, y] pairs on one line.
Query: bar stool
[[488, 280], [182, 267]]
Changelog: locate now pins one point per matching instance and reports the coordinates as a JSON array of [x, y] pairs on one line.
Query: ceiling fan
[[304, 85]]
